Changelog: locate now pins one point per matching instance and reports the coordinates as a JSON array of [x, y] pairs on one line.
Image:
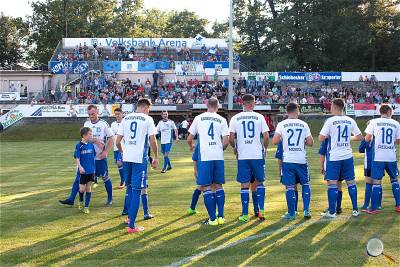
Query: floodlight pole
[[230, 47]]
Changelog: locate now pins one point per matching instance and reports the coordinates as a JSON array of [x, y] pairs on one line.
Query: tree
[[13, 33], [183, 24]]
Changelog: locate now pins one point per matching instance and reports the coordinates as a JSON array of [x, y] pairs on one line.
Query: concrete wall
[[35, 81]]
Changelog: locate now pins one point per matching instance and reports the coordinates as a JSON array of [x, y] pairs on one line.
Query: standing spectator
[[155, 78]]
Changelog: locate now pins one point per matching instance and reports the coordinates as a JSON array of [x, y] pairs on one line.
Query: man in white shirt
[[340, 130], [184, 127], [102, 134], [246, 129], [166, 128], [136, 131], [385, 132], [294, 134], [212, 135]]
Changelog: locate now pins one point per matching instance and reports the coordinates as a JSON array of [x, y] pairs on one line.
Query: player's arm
[[322, 163], [118, 143], [232, 139], [266, 140], [110, 143], [363, 146], [176, 131], [154, 147], [225, 141], [276, 139], [310, 141], [279, 167], [190, 140], [357, 137], [322, 137]]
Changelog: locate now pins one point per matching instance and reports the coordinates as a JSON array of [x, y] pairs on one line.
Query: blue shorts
[[117, 156], [378, 169], [250, 168], [210, 172], [166, 148], [293, 173], [101, 168], [135, 174], [340, 170]]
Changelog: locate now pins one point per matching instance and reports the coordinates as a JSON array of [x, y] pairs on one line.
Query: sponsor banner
[[146, 66], [363, 76], [202, 106], [111, 66], [162, 108], [110, 42], [310, 76], [129, 66], [162, 65], [10, 118], [262, 107], [216, 67], [63, 67], [304, 108], [10, 96], [360, 110], [189, 68], [255, 76]]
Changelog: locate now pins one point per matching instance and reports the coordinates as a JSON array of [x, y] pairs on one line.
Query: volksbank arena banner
[[310, 76], [110, 42], [63, 67]]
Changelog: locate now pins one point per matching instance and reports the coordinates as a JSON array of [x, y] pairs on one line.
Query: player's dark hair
[[291, 107], [118, 110], [91, 106], [164, 111], [248, 98], [339, 103], [385, 109], [85, 130], [143, 102], [212, 102]]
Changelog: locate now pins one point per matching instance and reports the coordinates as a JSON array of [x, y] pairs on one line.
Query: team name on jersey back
[[385, 132], [339, 130], [135, 129], [293, 132], [209, 127], [249, 127]]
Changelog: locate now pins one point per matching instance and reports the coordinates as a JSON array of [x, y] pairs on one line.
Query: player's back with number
[[293, 132], [339, 130], [210, 127], [249, 127], [136, 129], [385, 132]]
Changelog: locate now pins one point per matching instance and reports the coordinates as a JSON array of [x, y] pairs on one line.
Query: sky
[[209, 9]]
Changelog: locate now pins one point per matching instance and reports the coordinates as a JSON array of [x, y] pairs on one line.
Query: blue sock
[[296, 194], [195, 198], [245, 197], [108, 186], [165, 162], [168, 162], [396, 191], [367, 195], [81, 196], [209, 202], [88, 195], [127, 197], [261, 196], [380, 198], [306, 194], [332, 197], [74, 189], [220, 199], [352, 188], [121, 174], [133, 207], [145, 203], [376, 191], [290, 200], [255, 201], [339, 200]]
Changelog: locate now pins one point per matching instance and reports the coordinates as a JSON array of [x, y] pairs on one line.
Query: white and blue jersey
[[85, 152], [135, 129], [210, 128], [114, 128], [294, 133], [249, 128], [166, 129], [385, 133], [339, 155]]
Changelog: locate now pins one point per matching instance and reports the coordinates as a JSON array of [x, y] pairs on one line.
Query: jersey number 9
[[133, 129], [250, 128]]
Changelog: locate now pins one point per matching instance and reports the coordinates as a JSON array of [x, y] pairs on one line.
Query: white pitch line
[[240, 241]]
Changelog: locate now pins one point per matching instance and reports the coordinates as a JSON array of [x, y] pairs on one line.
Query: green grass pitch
[[36, 230]]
